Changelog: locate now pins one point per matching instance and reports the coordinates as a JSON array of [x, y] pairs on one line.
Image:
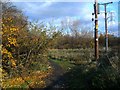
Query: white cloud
[[46, 10], [113, 27], [46, 4], [35, 9], [112, 23]]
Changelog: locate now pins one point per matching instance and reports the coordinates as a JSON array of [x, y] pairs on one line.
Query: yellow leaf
[[13, 62]]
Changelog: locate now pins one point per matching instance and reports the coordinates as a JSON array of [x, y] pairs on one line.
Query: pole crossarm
[[105, 3]]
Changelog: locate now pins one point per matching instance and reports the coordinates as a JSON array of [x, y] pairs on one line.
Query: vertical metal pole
[[106, 31], [96, 30]]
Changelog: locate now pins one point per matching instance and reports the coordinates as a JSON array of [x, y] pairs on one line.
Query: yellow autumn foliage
[[17, 43], [9, 38], [13, 62], [5, 51], [12, 41], [35, 80]]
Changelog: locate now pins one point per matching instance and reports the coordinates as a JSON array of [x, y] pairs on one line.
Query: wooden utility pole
[[96, 30], [106, 29]]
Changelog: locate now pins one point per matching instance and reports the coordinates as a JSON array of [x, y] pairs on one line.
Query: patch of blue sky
[[63, 0], [45, 11]]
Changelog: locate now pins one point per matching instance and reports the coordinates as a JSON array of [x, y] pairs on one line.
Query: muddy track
[[55, 80]]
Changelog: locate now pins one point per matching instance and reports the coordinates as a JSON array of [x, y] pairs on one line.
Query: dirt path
[[55, 80]]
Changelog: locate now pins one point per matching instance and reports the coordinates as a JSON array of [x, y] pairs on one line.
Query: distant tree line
[[71, 42], [74, 35], [113, 41]]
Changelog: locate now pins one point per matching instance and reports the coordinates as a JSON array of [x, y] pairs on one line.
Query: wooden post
[[96, 30]]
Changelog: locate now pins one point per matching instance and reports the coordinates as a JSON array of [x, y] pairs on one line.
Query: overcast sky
[[71, 9]]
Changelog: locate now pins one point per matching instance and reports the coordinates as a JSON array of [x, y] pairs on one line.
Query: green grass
[[84, 75], [75, 75], [76, 56], [64, 64]]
